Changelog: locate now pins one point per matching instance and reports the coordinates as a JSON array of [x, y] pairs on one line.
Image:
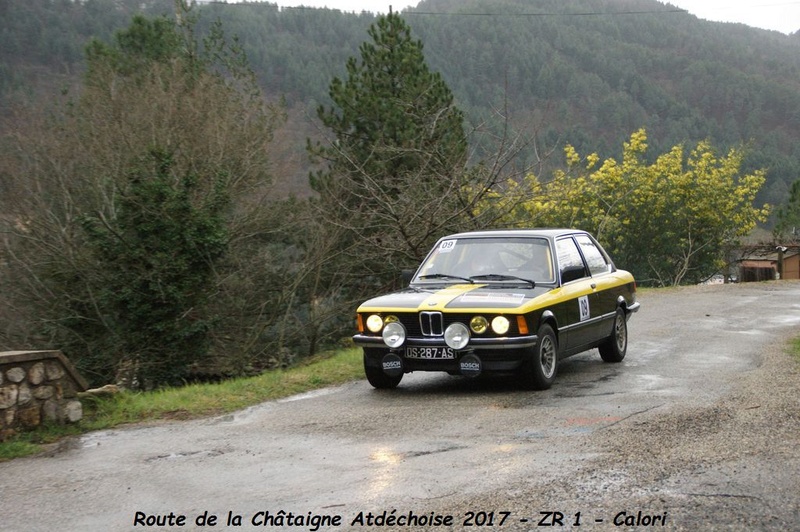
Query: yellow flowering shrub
[[669, 222]]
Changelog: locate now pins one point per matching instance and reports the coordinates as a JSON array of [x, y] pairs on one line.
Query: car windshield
[[489, 259]]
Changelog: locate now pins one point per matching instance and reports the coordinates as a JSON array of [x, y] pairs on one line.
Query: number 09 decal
[[583, 306], [447, 246]]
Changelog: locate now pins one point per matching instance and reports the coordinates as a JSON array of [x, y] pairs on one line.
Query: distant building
[[764, 264]]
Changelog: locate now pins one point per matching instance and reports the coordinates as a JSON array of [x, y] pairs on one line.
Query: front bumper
[[506, 342], [499, 355]]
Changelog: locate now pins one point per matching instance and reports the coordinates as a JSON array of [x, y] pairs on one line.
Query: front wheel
[[377, 378], [539, 370], [615, 347]]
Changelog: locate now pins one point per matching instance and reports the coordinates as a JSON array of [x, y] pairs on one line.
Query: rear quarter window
[[595, 259]]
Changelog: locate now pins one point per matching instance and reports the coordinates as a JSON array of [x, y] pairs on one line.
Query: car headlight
[[478, 324], [456, 336], [394, 334], [500, 325], [374, 323]]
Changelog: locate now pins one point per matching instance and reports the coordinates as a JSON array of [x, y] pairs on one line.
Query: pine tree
[[787, 227], [395, 165], [392, 117]]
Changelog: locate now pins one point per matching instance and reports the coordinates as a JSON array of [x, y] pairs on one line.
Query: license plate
[[440, 353]]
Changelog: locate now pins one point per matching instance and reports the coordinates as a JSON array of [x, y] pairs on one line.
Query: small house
[[770, 263]]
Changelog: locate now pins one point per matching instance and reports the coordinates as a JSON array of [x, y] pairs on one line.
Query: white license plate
[[438, 353]]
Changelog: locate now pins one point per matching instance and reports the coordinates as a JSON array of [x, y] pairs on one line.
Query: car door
[[574, 312], [603, 301]]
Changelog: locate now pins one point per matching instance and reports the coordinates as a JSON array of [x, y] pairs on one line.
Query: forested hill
[[587, 72]]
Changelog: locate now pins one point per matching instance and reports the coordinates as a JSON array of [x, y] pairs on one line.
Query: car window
[[529, 258], [568, 254], [595, 258]]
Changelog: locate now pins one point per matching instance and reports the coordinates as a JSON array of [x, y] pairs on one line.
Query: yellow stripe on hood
[[443, 297], [435, 301]]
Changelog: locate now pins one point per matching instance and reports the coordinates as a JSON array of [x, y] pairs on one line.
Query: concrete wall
[[37, 387]]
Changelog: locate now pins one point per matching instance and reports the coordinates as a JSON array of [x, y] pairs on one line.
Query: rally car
[[510, 301]]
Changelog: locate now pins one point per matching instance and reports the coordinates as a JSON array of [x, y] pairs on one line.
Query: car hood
[[455, 297]]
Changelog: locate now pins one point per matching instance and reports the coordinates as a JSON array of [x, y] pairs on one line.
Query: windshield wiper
[[501, 277], [446, 276]]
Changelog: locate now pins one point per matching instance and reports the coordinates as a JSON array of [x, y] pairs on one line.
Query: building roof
[[769, 255]]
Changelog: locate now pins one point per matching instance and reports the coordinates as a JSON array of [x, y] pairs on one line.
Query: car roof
[[538, 232]]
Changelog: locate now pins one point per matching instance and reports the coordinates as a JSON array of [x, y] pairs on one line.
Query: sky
[[779, 15]]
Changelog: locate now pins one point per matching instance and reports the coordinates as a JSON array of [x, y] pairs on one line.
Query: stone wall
[[37, 387]]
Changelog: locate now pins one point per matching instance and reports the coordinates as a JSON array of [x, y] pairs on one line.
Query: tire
[[377, 378], [615, 347], [540, 369]]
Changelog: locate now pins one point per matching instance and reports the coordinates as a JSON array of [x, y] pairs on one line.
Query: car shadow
[[577, 375]]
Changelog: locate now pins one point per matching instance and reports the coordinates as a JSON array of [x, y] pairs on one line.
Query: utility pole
[[781, 251]]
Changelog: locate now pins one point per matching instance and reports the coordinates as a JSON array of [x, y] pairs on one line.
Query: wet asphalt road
[[436, 441]]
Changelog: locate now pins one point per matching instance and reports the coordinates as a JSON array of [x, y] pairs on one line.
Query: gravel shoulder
[[732, 465]]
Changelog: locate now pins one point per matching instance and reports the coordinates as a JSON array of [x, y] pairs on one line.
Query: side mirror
[[572, 273], [406, 276]]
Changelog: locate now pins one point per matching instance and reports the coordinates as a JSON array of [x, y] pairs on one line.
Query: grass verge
[[193, 400], [795, 349]]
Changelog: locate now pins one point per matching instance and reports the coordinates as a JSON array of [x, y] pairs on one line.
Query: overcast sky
[[780, 15]]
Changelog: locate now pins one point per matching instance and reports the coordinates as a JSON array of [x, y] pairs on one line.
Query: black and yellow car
[[510, 301]]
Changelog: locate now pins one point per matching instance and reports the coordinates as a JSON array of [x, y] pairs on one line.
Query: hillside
[[587, 72]]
